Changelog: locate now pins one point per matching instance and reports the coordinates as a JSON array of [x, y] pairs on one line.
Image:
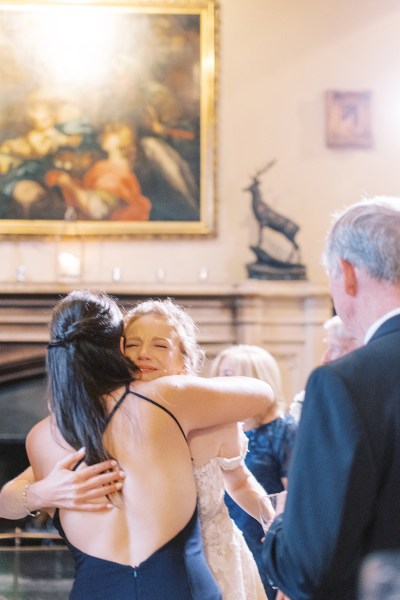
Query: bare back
[[158, 497], [159, 494]]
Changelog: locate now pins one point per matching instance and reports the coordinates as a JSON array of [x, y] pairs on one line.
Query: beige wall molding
[[284, 317]]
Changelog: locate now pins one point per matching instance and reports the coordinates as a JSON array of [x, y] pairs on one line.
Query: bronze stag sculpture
[[268, 267]]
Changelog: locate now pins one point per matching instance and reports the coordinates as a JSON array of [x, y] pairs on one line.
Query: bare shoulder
[[227, 432], [45, 446], [224, 441], [41, 428]]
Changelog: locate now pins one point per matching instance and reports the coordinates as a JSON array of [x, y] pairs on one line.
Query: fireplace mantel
[[284, 317]]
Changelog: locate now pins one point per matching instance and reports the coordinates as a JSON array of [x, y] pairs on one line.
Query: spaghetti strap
[[128, 391], [116, 407], [109, 417], [159, 406], [179, 563]]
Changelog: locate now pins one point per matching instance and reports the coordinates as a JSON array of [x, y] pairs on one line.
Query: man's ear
[[349, 277], [122, 344]]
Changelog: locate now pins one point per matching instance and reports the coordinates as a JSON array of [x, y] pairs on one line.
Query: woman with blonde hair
[[149, 546], [149, 425], [161, 339], [270, 434], [251, 361]]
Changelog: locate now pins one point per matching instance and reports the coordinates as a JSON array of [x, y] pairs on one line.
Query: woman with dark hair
[[149, 546]]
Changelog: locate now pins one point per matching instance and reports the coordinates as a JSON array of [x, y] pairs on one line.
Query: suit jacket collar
[[389, 326]]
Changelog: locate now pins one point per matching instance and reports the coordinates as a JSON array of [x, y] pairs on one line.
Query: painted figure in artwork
[[108, 189], [110, 135]]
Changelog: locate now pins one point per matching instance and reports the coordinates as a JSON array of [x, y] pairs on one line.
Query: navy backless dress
[[176, 571]]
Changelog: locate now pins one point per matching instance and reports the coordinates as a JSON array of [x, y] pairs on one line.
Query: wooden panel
[[21, 361]]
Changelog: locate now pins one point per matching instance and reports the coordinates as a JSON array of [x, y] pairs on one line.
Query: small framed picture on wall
[[348, 119]]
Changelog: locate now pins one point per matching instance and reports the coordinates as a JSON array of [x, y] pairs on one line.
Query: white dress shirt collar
[[375, 326]]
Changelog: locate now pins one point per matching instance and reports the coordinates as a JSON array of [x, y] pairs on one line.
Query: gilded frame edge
[[206, 226]]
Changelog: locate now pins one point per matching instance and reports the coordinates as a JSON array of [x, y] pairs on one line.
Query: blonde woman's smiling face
[[154, 347]]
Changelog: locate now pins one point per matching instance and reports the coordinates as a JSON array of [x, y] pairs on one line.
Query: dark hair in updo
[[84, 363]]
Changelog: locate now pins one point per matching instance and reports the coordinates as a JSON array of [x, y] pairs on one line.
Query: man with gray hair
[[344, 493]]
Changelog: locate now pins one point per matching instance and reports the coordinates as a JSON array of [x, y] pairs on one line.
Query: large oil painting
[[107, 118]]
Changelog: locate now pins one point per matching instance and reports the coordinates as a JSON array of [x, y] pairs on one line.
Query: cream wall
[[277, 58]]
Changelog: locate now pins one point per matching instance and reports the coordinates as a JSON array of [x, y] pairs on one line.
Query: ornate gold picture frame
[[107, 118]]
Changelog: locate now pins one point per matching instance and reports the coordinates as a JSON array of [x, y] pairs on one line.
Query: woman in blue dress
[[148, 547]]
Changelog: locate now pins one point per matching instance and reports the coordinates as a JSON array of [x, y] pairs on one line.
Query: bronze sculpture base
[[267, 267], [261, 271]]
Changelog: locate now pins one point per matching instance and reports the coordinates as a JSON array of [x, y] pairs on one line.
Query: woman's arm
[[245, 490], [62, 488], [200, 402], [12, 505], [239, 482]]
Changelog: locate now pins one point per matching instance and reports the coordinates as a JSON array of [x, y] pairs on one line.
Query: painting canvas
[[348, 119], [107, 118]]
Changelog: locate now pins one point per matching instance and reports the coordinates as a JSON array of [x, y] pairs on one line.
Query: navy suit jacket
[[344, 479]]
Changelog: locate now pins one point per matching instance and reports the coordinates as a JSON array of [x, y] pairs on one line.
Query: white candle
[[20, 273], [69, 265], [116, 274], [160, 274], [203, 274]]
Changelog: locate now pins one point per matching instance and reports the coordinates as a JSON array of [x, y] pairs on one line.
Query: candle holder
[[160, 274], [203, 274], [116, 274], [69, 267], [20, 273]]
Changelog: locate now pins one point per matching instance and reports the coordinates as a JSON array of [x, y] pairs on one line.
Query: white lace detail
[[227, 554]]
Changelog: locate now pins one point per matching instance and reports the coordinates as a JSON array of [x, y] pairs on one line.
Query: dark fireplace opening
[[34, 561], [22, 404], [13, 460]]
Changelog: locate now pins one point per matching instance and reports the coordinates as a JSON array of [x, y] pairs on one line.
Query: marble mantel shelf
[[285, 317], [300, 289]]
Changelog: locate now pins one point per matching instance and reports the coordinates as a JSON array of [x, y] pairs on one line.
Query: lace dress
[[227, 554], [270, 451]]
